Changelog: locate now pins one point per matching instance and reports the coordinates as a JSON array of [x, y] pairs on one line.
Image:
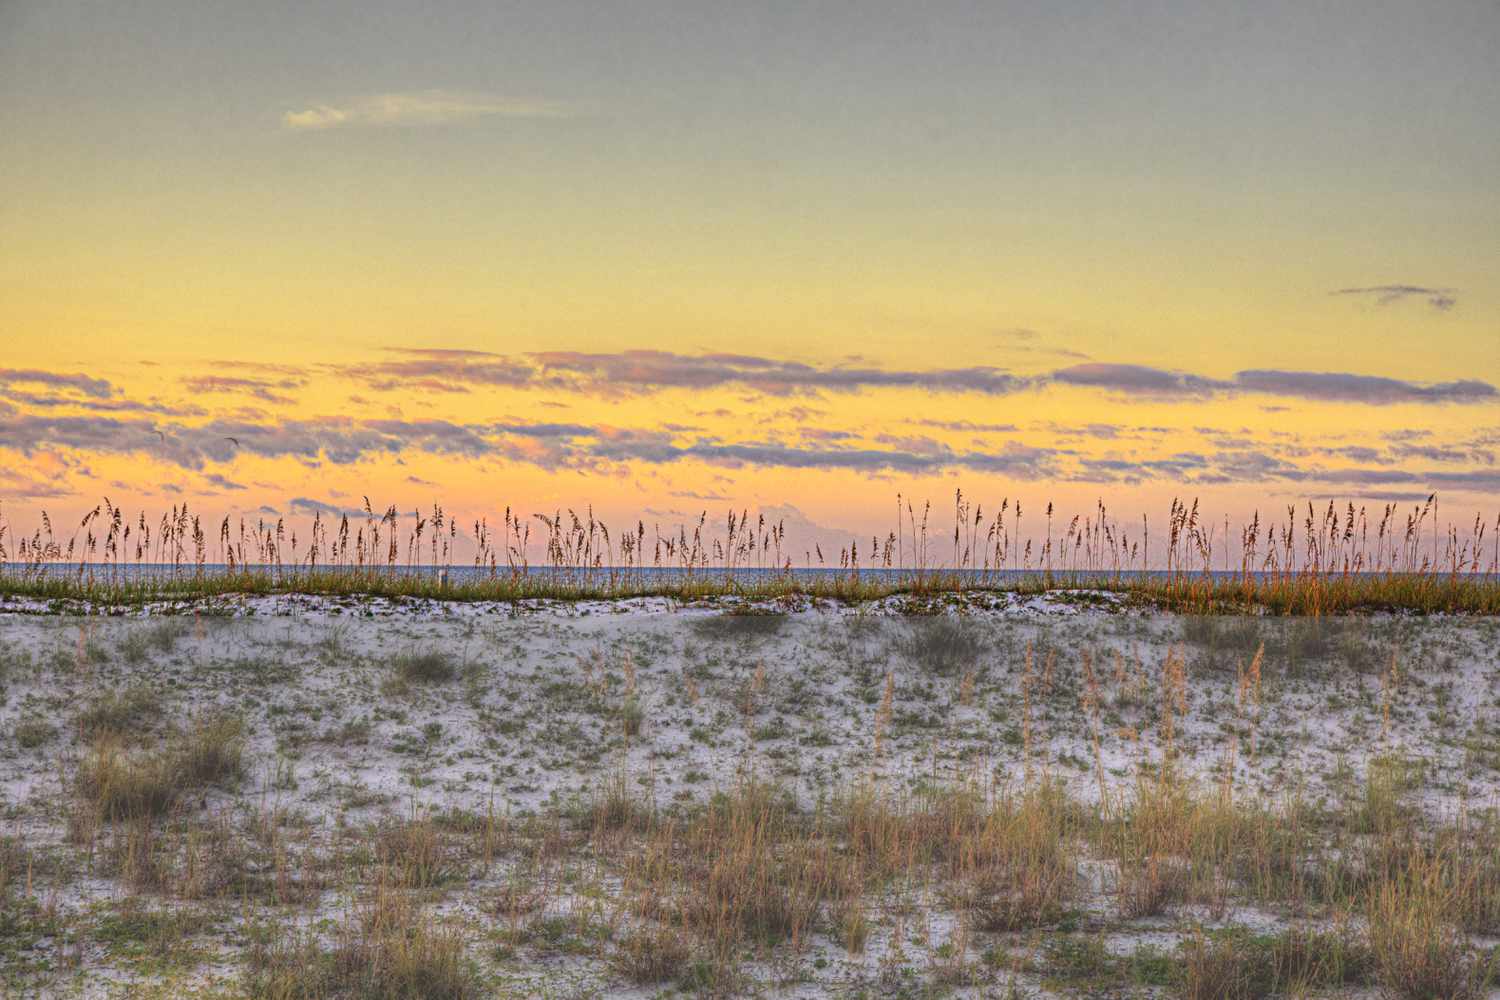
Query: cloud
[[640, 372], [1138, 380], [1103, 432], [1372, 389], [337, 440], [263, 389], [87, 385], [966, 425], [1178, 467], [1361, 453], [1342, 387], [442, 371], [1382, 496], [76, 391], [543, 430], [16, 484], [421, 107], [803, 534], [93, 405], [1431, 453], [1441, 299], [308, 506], [1022, 340], [1477, 480], [343, 441], [644, 371], [655, 448]]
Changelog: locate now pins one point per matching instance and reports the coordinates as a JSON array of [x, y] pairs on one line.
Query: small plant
[[944, 645], [652, 955], [433, 667], [1218, 968], [632, 714], [733, 625], [32, 733], [123, 713], [415, 854], [853, 926], [161, 637], [614, 807]]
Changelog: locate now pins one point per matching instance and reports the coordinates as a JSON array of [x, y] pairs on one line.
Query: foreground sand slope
[[353, 727]]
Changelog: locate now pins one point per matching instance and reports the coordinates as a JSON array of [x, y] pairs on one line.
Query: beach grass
[[1317, 561]]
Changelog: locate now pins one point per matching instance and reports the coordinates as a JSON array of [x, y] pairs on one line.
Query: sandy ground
[[534, 722]]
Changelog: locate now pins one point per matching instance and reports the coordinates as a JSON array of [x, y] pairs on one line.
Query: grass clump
[[122, 784], [416, 854], [944, 645], [613, 807], [122, 713], [433, 667], [732, 625], [161, 637], [1233, 964], [1420, 950], [32, 733], [1019, 862], [386, 950], [651, 955]]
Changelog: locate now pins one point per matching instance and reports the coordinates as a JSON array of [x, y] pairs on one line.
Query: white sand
[[535, 719]]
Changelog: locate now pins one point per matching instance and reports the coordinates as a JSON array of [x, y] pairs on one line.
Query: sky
[[664, 258]]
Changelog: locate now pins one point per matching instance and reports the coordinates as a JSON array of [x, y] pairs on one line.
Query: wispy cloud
[[1334, 387], [1441, 299], [1138, 380], [268, 390], [46, 390], [98, 388], [645, 371], [342, 441], [308, 507], [421, 107], [16, 484], [436, 370], [52, 402], [965, 425], [1373, 389], [1017, 461]]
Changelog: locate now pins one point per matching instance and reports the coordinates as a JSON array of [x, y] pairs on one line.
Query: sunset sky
[[270, 258]]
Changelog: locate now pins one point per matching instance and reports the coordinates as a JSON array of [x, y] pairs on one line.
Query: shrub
[[654, 955], [32, 733], [739, 625], [944, 645], [124, 713], [433, 667]]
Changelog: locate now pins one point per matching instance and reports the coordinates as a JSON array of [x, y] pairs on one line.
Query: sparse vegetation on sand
[[1315, 561], [1066, 804]]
